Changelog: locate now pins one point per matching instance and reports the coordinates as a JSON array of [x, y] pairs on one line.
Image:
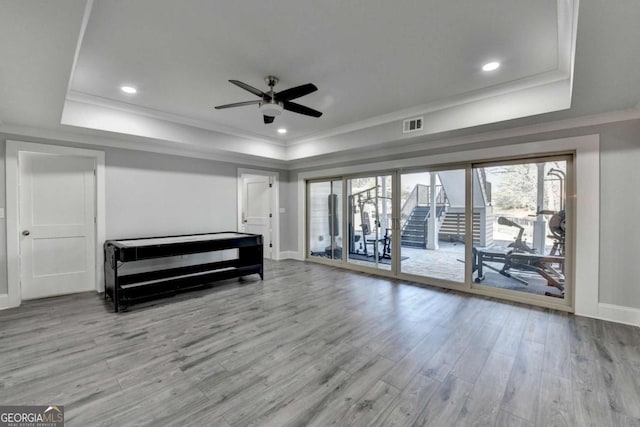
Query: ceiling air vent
[[412, 125]]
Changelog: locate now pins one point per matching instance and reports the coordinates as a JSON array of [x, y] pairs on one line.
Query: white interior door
[[256, 208], [56, 224]]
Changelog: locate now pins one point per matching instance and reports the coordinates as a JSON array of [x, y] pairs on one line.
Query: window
[[524, 231], [325, 219], [433, 224], [498, 228], [369, 204]]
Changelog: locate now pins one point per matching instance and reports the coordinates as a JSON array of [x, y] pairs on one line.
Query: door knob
[[26, 232]]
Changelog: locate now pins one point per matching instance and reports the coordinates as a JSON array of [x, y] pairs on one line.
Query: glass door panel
[[369, 220], [525, 226], [432, 224], [325, 219]]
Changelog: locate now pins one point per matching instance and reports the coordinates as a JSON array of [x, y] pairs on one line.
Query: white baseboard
[[4, 301], [619, 314], [291, 255]]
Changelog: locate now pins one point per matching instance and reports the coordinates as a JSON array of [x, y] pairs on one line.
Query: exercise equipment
[[519, 245], [519, 256], [557, 231], [359, 240]]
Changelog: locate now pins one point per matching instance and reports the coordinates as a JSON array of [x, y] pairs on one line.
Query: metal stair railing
[[407, 207]]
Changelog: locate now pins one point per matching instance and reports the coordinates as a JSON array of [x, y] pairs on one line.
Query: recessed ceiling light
[[282, 131], [490, 66], [128, 89]]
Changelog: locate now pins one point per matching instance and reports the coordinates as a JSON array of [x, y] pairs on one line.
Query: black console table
[[126, 289]]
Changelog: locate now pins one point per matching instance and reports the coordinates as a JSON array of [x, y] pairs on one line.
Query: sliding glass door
[[433, 224], [369, 221], [497, 228], [526, 227], [325, 219]]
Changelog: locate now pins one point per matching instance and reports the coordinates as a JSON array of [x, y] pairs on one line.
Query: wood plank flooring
[[319, 346]]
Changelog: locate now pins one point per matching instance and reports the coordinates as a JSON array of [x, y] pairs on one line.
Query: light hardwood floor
[[315, 345]]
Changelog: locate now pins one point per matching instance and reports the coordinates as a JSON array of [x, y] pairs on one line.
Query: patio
[[447, 263]]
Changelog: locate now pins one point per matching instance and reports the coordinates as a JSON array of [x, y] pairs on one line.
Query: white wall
[[288, 218], [146, 196], [149, 194], [619, 205], [620, 216], [3, 223], [153, 194]]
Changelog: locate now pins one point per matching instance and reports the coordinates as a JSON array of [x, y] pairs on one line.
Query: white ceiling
[[367, 58], [374, 64]]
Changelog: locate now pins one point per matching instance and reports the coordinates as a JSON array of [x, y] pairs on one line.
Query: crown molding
[[82, 136], [541, 79], [406, 148], [98, 101], [83, 29], [567, 12], [180, 135], [538, 80], [567, 17]]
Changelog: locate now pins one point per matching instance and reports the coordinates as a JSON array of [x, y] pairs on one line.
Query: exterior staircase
[[414, 231]]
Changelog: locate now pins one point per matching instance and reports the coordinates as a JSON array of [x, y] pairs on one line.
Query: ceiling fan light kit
[[273, 103], [271, 108]]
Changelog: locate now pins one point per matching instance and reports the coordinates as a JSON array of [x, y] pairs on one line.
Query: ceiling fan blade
[[296, 92], [268, 119], [300, 109], [237, 104], [251, 89]]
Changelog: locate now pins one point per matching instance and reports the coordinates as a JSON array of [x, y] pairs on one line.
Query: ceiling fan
[[272, 103]]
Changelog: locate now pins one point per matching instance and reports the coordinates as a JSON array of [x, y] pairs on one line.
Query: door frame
[[13, 150], [395, 223], [468, 215], [275, 206], [586, 169]]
